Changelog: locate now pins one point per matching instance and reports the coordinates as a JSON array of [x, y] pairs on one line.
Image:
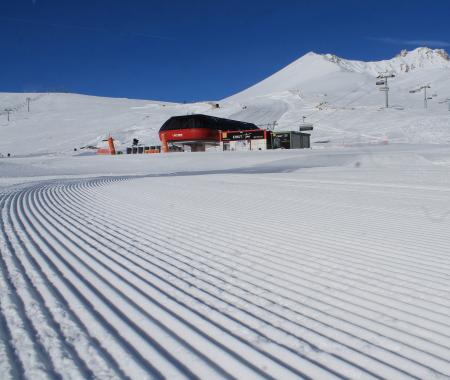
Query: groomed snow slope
[[304, 264], [339, 96]]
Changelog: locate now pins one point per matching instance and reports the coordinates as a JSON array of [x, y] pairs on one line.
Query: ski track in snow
[[242, 276]]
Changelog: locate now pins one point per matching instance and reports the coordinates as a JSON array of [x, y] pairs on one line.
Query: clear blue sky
[[195, 50]]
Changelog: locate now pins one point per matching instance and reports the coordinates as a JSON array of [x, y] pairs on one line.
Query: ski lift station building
[[197, 133]]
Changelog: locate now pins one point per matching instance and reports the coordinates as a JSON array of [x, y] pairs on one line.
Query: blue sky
[[196, 50]]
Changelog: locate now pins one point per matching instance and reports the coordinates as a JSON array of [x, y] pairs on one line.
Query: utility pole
[[424, 88], [8, 111], [28, 103], [383, 81]]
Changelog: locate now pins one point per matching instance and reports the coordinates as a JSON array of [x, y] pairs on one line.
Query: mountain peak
[[311, 54]]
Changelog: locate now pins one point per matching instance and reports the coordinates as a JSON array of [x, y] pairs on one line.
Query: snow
[[331, 262], [285, 264]]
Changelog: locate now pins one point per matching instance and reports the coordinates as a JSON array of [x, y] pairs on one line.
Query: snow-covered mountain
[[307, 70], [338, 95]]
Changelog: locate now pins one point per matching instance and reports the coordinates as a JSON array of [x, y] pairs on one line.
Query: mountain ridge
[[403, 62]]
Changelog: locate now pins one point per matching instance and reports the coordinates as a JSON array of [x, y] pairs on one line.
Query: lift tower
[[424, 88], [383, 81]]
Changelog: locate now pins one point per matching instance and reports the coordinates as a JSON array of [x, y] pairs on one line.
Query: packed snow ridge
[[286, 264]]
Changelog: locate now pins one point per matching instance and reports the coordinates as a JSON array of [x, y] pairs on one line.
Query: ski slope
[[319, 264], [284, 264]]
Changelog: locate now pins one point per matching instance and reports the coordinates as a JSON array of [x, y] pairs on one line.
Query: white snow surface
[[331, 262], [326, 263], [338, 96]]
